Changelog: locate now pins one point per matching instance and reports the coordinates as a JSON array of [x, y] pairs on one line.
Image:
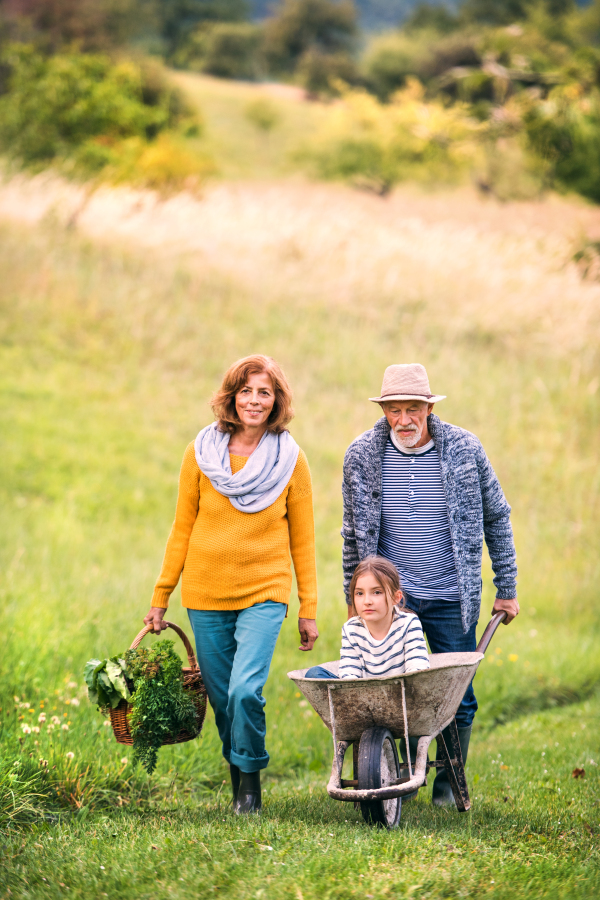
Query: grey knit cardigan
[[477, 508]]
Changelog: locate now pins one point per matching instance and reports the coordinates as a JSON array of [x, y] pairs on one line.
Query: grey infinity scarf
[[263, 478]]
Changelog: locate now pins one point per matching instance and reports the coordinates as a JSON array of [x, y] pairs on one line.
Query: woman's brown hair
[[236, 377], [385, 573]]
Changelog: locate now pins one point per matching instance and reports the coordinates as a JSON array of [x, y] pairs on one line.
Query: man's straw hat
[[406, 382]]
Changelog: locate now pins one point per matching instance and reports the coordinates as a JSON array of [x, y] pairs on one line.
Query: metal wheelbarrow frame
[[419, 704]]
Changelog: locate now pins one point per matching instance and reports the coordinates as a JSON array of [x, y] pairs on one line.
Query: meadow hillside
[[118, 314]]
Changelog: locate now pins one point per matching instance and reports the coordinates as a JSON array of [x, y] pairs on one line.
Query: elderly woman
[[244, 505]]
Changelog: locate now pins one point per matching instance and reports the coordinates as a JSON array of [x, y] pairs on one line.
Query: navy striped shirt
[[402, 650], [414, 533]]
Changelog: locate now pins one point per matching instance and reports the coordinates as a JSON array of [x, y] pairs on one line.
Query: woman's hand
[[155, 618], [308, 633]]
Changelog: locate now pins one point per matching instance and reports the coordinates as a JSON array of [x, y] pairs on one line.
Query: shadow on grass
[[538, 697]]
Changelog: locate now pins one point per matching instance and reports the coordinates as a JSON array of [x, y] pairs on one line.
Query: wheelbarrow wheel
[[378, 766]]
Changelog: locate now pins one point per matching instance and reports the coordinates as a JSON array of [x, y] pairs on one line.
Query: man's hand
[[510, 607], [155, 618], [308, 633]]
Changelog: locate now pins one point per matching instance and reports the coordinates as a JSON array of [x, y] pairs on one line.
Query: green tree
[[56, 104], [301, 27], [179, 19], [432, 17], [225, 49], [503, 12], [89, 24]]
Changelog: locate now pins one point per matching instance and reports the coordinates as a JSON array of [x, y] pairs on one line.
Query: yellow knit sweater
[[232, 559]]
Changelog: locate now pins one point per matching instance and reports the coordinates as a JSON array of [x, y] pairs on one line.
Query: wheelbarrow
[[372, 713]]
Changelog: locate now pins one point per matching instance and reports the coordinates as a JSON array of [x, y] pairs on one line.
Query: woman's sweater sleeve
[[301, 525], [351, 662], [186, 512], [416, 657]]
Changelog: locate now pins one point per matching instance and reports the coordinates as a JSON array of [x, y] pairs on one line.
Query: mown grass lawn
[[532, 833], [107, 359]]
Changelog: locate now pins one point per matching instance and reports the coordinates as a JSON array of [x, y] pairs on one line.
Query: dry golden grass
[[482, 268]]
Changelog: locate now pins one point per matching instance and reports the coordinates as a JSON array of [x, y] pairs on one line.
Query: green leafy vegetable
[[106, 682], [161, 706], [152, 681]]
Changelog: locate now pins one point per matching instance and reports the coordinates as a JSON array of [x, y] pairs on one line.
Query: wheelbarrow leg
[[355, 768], [451, 755]]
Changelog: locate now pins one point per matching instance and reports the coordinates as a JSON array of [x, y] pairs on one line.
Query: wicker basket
[[192, 682]]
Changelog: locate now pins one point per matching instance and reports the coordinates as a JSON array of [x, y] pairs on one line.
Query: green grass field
[[108, 356], [241, 148]]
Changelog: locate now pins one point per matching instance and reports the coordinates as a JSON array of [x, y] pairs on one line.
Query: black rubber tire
[[378, 765]]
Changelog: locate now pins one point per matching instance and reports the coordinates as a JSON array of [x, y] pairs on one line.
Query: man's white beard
[[411, 440]]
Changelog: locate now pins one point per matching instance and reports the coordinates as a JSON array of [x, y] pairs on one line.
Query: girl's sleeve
[[301, 526], [416, 657], [186, 513], [351, 664]]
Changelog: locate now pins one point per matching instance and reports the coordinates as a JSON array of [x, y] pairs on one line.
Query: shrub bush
[[263, 114], [391, 58], [228, 50], [94, 117], [55, 104], [321, 73], [376, 146], [565, 131]]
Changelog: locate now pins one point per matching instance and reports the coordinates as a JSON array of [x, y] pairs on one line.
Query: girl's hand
[[308, 633], [155, 618]]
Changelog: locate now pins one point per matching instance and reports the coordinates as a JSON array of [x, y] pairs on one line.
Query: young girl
[[380, 640]]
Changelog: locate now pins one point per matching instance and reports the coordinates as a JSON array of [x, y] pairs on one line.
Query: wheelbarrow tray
[[432, 697], [417, 704]]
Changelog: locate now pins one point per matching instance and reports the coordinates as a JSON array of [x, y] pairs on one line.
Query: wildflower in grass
[[107, 724], [513, 657], [16, 699], [35, 729], [72, 685], [70, 755], [42, 718], [74, 702], [25, 728], [55, 720], [124, 761], [50, 727], [31, 710], [43, 763], [24, 705], [65, 727]]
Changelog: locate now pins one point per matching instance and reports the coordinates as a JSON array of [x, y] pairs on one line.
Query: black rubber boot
[[442, 790], [404, 773], [234, 772], [248, 798]]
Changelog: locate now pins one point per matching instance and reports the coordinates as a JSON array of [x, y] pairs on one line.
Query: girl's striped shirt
[[402, 650]]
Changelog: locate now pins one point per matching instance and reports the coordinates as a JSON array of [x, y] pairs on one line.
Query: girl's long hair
[[236, 377], [385, 573]]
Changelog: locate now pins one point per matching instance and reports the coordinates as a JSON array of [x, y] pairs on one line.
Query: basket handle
[[188, 647]]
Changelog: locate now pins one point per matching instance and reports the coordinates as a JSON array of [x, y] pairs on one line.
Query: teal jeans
[[235, 649]]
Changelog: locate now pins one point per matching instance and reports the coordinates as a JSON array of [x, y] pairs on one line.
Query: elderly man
[[423, 494]]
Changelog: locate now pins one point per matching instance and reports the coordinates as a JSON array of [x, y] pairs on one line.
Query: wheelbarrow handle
[[489, 632]]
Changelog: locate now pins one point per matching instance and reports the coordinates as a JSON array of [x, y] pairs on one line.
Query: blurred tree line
[[513, 85]]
